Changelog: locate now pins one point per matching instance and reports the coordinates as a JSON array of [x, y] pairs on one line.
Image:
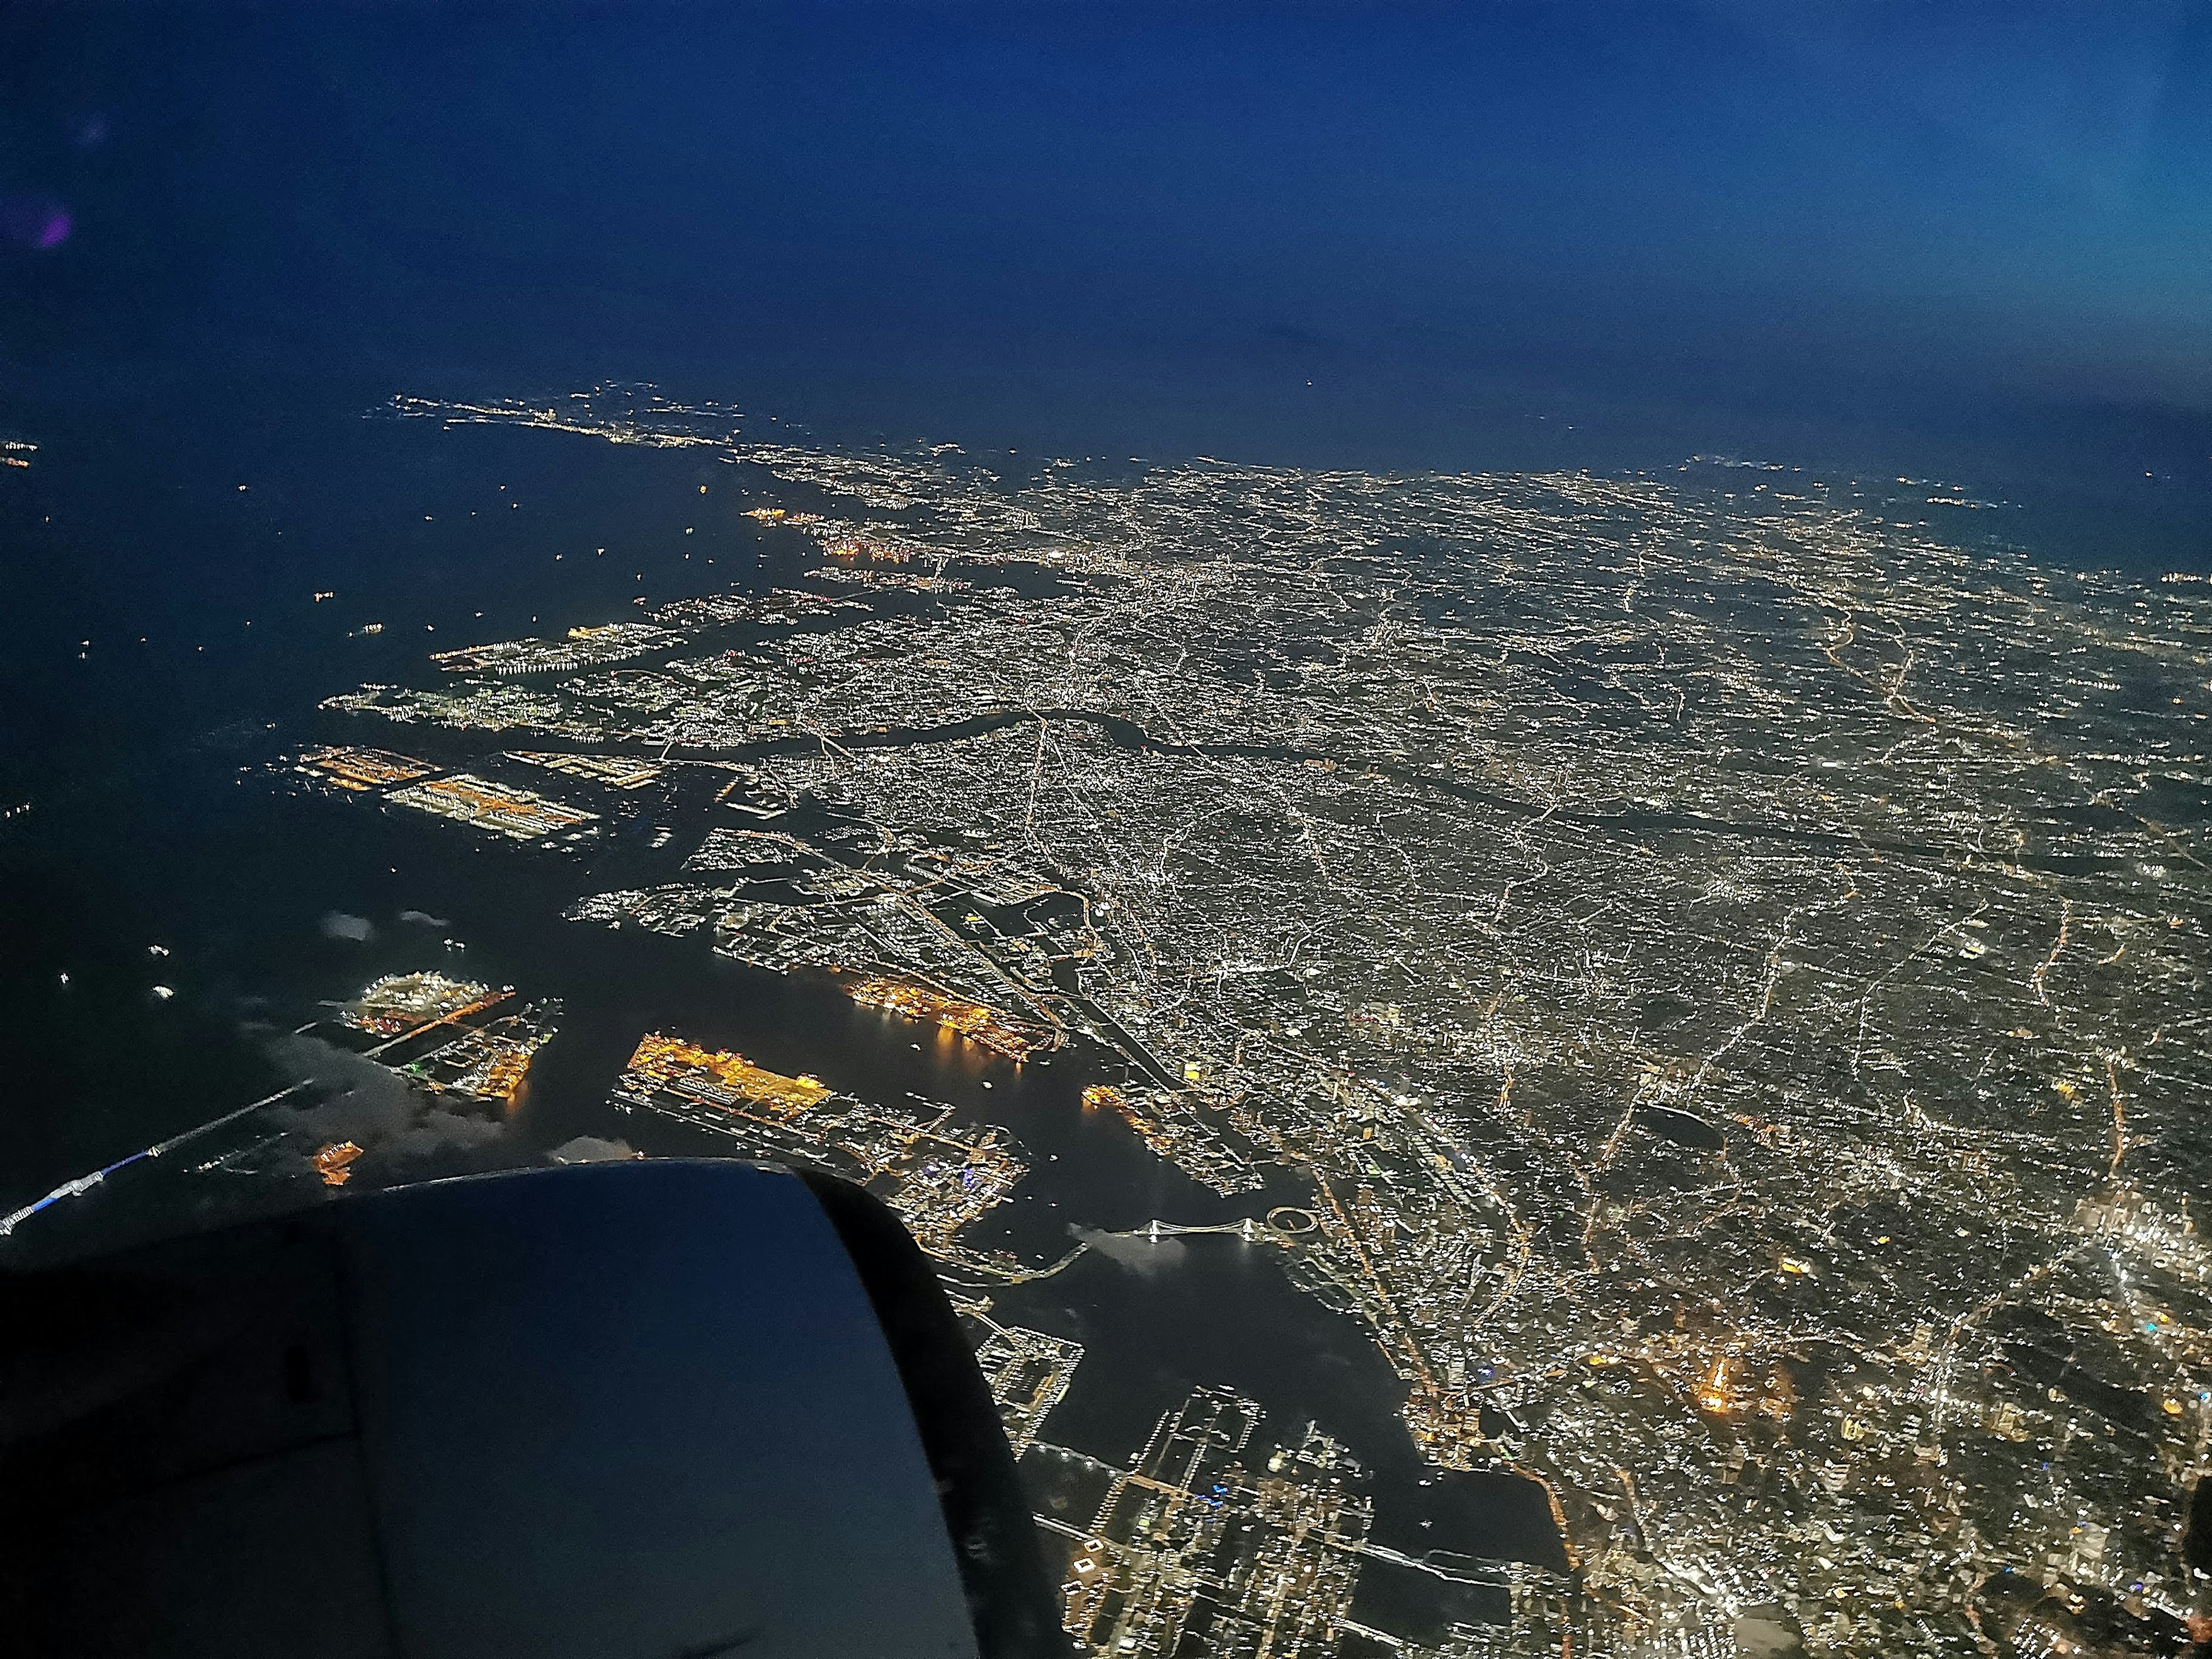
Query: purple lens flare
[[37, 223]]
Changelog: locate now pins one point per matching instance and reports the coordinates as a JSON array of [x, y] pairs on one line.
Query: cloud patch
[[402, 1131], [1140, 1256], [337, 924]]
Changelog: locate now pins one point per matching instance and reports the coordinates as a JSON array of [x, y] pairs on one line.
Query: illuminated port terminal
[[728, 1080], [400, 1003], [612, 771], [489, 1062], [890, 580], [978, 1024], [1169, 1122], [584, 647], [362, 768], [936, 1177], [453, 1037], [458, 1045], [500, 808], [862, 547], [1028, 1370]]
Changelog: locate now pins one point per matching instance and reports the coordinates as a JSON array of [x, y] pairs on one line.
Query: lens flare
[[39, 223]]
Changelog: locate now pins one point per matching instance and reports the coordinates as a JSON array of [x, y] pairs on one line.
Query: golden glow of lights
[[972, 1020], [1715, 1395], [503, 1077], [671, 1059], [402, 1002], [859, 547], [498, 807], [362, 768], [617, 772]]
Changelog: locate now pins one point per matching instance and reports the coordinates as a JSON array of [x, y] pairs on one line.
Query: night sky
[[1963, 236]]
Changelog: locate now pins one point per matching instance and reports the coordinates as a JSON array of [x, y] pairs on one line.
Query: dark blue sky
[[1734, 224]]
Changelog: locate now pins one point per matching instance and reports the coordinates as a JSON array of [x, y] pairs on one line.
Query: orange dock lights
[[671, 1059], [360, 769], [500, 808], [987, 1026]]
